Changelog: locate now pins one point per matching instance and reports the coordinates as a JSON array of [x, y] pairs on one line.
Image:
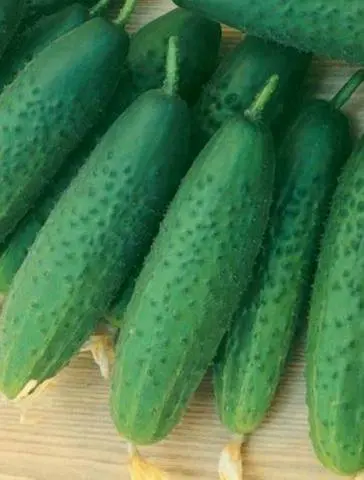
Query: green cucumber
[[238, 79], [330, 28], [192, 279], [11, 13], [33, 40], [252, 357], [49, 108], [335, 355], [99, 230]]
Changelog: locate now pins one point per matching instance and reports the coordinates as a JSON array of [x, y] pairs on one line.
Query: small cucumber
[[48, 109], [251, 359], [99, 230], [191, 281], [238, 79], [335, 354], [331, 28], [11, 13], [27, 44]]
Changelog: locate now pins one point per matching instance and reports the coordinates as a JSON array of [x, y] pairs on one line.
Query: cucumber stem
[[125, 12], [140, 469], [100, 6], [230, 462], [344, 94], [171, 81], [255, 111]]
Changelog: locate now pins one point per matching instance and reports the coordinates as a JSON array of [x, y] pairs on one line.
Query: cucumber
[[48, 109], [192, 279], [334, 355], [251, 359], [33, 40], [238, 79], [199, 45], [333, 29], [99, 230], [11, 13]]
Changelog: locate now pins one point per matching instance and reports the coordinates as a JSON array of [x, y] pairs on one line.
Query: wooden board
[[68, 435]]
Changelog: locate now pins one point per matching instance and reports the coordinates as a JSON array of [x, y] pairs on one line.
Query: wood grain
[[69, 435]]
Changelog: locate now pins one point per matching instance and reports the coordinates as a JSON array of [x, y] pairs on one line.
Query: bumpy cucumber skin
[[333, 29], [49, 107], [11, 13], [20, 241], [192, 279], [251, 359], [198, 44], [31, 41], [101, 227], [335, 355], [240, 77]]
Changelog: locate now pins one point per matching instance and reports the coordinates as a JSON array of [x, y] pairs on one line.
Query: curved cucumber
[[33, 40], [191, 281], [334, 357], [49, 107], [333, 28], [101, 227], [238, 79], [11, 13], [252, 357]]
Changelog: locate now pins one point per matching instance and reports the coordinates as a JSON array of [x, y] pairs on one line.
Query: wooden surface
[[68, 434]]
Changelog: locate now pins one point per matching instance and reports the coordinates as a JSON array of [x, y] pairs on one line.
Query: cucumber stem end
[[171, 81], [125, 12], [256, 109], [345, 93]]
